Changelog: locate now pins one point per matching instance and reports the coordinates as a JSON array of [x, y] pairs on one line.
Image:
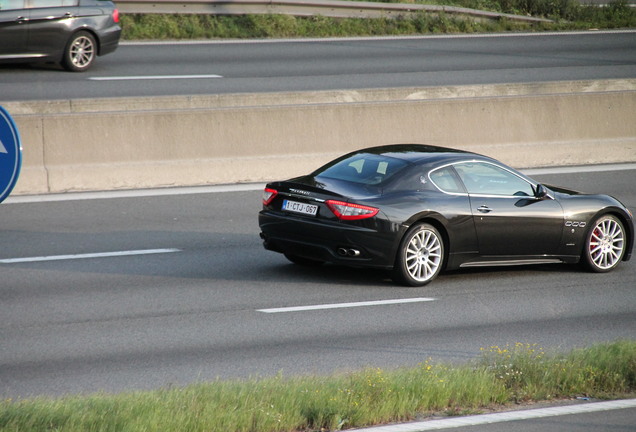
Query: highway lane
[[151, 69], [145, 321], [604, 421], [565, 415]]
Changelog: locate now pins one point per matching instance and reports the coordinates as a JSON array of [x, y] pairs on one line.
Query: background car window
[[445, 180], [363, 168], [12, 4], [487, 179], [52, 3]]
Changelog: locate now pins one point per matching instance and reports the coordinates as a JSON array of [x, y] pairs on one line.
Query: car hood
[[562, 190], [598, 201]]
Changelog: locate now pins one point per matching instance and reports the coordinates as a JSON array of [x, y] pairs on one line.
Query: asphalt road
[[116, 323], [605, 421], [142, 69]]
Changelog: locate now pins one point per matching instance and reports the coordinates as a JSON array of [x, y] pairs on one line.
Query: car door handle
[[59, 17], [484, 209], [21, 19]]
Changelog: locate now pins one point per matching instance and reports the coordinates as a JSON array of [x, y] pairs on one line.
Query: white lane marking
[[243, 187], [134, 193], [153, 77], [345, 305], [87, 255], [503, 417], [370, 38], [580, 169]]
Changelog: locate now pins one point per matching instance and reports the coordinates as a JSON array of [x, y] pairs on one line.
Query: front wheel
[[80, 52], [420, 257], [604, 244]]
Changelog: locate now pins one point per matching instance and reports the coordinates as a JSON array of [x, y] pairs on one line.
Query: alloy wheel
[[82, 51], [421, 256], [605, 244]]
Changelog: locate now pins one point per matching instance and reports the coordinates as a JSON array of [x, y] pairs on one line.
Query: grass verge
[[567, 15], [502, 375]]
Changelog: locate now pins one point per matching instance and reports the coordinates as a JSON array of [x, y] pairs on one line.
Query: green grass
[[567, 15], [502, 375]]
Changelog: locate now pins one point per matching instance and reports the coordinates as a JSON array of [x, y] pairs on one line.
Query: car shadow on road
[[30, 67], [222, 258]]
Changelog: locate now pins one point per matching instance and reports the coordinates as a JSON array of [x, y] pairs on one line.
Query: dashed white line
[[345, 305], [87, 255], [154, 77]]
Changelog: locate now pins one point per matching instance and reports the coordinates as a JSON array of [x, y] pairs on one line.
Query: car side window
[[487, 179], [444, 179], [12, 4]]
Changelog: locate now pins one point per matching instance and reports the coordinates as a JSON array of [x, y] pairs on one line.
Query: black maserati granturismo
[[416, 210]]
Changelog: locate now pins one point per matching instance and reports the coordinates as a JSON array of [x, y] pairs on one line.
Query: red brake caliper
[[597, 233]]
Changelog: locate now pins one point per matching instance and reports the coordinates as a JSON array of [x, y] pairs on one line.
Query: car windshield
[[362, 168]]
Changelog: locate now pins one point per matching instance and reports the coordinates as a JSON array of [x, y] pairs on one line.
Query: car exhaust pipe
[[348, 252]]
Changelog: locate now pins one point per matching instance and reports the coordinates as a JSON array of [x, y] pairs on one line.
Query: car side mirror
[[541, 192]]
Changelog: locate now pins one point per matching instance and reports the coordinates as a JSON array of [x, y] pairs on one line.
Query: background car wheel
[[420, 257], [80, 52], [604, 244], [303, 261]]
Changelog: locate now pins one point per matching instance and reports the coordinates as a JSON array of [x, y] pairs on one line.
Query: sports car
[[416, 210]]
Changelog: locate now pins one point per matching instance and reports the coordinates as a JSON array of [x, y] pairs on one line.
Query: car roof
[[420, 153]]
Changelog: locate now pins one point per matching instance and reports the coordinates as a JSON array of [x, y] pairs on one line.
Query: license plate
[[298, 207]]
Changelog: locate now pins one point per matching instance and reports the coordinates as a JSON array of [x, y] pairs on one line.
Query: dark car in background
[[416, 210], [69, 32]]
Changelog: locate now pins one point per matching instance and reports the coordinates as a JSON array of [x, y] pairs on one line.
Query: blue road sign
[[10, 154]]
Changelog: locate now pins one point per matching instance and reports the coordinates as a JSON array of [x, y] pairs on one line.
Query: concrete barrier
[[128, 143]]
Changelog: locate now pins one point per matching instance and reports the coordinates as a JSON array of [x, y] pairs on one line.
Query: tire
[[604, 244], [420, 257], [307, 262], [80, 52]]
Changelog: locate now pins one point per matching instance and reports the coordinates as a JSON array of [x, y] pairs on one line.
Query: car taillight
[[269, 195], [348, 211], [116, 15]]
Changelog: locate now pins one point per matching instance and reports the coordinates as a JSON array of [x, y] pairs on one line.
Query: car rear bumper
[[109, 40], [327, 241]]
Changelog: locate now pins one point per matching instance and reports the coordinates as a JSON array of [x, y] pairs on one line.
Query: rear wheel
[[420, 256], [604, 244], [80, 52]]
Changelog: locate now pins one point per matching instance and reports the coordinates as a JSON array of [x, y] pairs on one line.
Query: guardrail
[[328, 8]]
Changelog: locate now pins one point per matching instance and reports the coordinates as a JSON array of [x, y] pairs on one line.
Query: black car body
[[70, 32], [419, 209]]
